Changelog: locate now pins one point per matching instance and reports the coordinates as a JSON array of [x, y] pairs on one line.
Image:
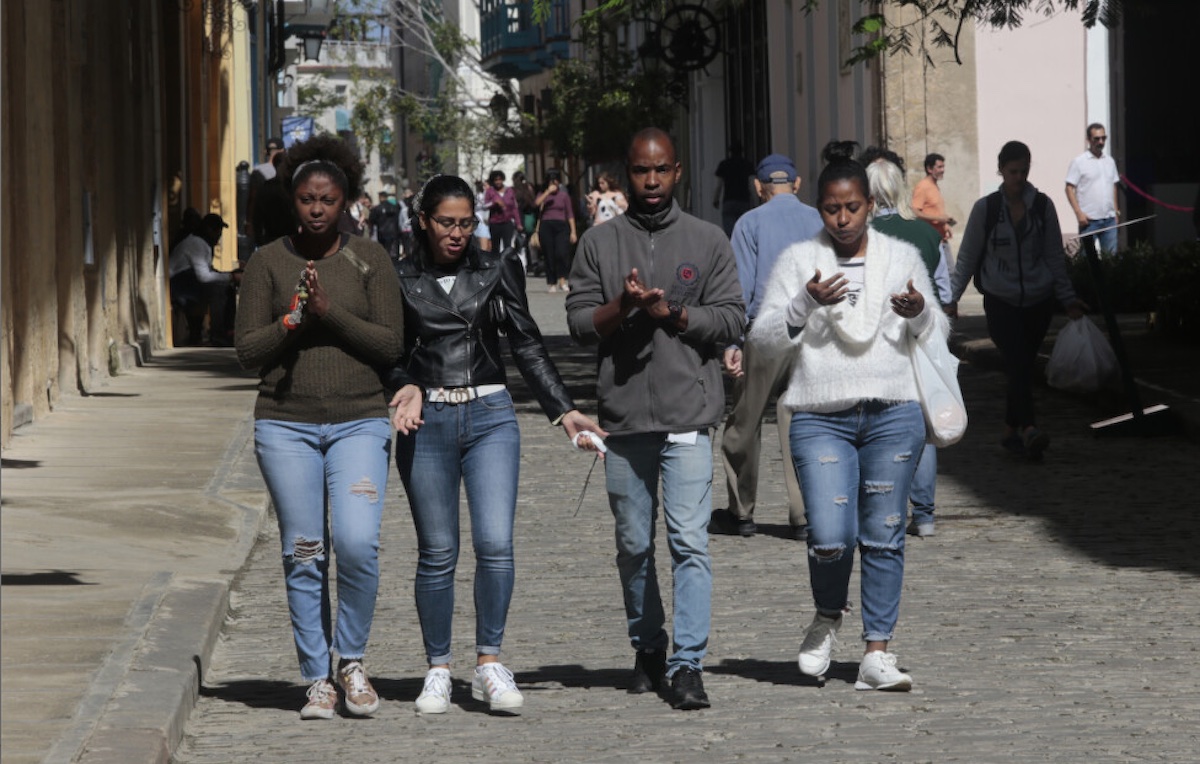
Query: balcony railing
[[365, 55], [512, 45]]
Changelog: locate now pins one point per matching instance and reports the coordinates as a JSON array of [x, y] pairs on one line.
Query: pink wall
[[1031, 88]]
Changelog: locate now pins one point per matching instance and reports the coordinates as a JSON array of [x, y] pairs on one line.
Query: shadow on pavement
[[44, 578], [779, 672], [575, 675], [1122, 501], [258, 693]]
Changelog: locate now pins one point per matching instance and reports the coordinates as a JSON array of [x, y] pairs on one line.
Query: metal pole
[[1114, 336]]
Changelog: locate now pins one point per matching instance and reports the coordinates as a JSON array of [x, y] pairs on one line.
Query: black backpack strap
[[992, 216]]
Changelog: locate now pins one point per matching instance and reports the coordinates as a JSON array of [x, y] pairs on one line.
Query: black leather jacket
[[453, 340]]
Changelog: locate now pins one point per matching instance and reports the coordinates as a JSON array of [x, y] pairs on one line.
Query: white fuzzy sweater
[[845, 354]]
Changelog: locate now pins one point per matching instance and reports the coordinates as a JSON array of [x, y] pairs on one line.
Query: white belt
[[456, 395]]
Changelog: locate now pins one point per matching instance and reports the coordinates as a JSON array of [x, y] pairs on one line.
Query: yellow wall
[[90, 120]]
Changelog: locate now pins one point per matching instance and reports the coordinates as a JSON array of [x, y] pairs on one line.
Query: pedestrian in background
[[1013, 250], [758, 239], [847, 305], [732, 194], [525, 194], [405, 202], [385, 222], [556, 231], [894, 217], [456, 425], [272, 212], [197, 288], [320, 314], [928, 203], [1092, 183], [606, 201], [500, 204]]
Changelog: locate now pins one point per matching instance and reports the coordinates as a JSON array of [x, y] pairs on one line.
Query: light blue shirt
[[762, 234]]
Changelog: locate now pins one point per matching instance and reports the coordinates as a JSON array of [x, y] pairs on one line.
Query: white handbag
[[936, 369]]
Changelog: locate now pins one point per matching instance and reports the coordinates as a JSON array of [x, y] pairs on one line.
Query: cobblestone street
[[1052, 618]]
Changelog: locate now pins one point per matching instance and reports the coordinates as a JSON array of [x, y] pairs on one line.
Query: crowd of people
[[375, 330]]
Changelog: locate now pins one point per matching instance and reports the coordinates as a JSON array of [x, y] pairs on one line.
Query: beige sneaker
[[322, 700], [359, 696]]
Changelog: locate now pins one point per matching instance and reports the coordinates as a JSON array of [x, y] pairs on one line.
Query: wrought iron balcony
[[513, 46]]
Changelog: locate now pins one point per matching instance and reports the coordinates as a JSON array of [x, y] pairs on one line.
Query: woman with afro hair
[[320, 314]]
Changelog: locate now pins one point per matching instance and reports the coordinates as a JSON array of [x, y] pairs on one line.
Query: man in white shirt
[[1092, 182]]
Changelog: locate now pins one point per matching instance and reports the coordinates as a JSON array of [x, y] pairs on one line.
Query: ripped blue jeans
[[301, 465], [855, 469]]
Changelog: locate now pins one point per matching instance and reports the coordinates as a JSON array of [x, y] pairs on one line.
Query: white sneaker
[[819, 641], [878, 671], [494, 683], [435, 695]]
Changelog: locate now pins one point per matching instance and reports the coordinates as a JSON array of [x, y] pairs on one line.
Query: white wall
[[1032, 87]]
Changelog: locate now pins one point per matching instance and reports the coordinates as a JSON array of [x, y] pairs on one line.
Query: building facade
[[115, 117]]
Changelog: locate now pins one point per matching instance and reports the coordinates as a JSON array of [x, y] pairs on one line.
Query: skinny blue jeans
[[476, 444], [328, 483], [632, 469], [855, 469]]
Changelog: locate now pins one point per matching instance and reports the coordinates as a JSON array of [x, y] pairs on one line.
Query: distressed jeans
[[855, 469], [632, 469], [309, 468], [476, 444]]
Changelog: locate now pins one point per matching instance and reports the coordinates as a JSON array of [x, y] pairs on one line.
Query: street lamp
[[311, 35], [312, 46]]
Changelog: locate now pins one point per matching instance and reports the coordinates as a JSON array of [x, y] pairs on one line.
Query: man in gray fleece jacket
[[657, 290]]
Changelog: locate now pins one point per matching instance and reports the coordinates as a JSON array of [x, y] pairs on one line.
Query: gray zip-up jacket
[[1023, 266], [652, 377]]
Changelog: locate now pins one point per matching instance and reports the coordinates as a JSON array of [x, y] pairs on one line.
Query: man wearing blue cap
[[758, 238]]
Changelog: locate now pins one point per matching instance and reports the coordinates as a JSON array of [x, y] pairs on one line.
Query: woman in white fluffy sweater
[[847, 305]]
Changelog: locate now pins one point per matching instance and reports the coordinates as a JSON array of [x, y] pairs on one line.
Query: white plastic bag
[[1082, 361], [942, 403]]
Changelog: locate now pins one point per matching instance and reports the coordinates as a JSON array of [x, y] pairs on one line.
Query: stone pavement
[[1053, 618], [1054, 633]]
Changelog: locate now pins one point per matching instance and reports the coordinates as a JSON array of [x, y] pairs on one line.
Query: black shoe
[[1013, 445], [687, 690], [648, 671], [726, 523], [799, 533]]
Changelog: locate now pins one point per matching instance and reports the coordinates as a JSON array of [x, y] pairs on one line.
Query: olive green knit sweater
[[325, 371]]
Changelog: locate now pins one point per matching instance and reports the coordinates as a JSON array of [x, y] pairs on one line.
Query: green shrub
[[1144, 279]]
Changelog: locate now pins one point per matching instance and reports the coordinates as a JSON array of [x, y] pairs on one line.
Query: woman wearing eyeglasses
[[456, 425]]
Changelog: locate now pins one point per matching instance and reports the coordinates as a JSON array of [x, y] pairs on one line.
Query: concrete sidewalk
[[126, 514]]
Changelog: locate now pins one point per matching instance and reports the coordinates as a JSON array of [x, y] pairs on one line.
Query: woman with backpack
[[1012, 248]]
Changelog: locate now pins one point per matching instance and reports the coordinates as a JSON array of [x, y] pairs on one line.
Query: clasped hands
[[638, 296], [318, 298]]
